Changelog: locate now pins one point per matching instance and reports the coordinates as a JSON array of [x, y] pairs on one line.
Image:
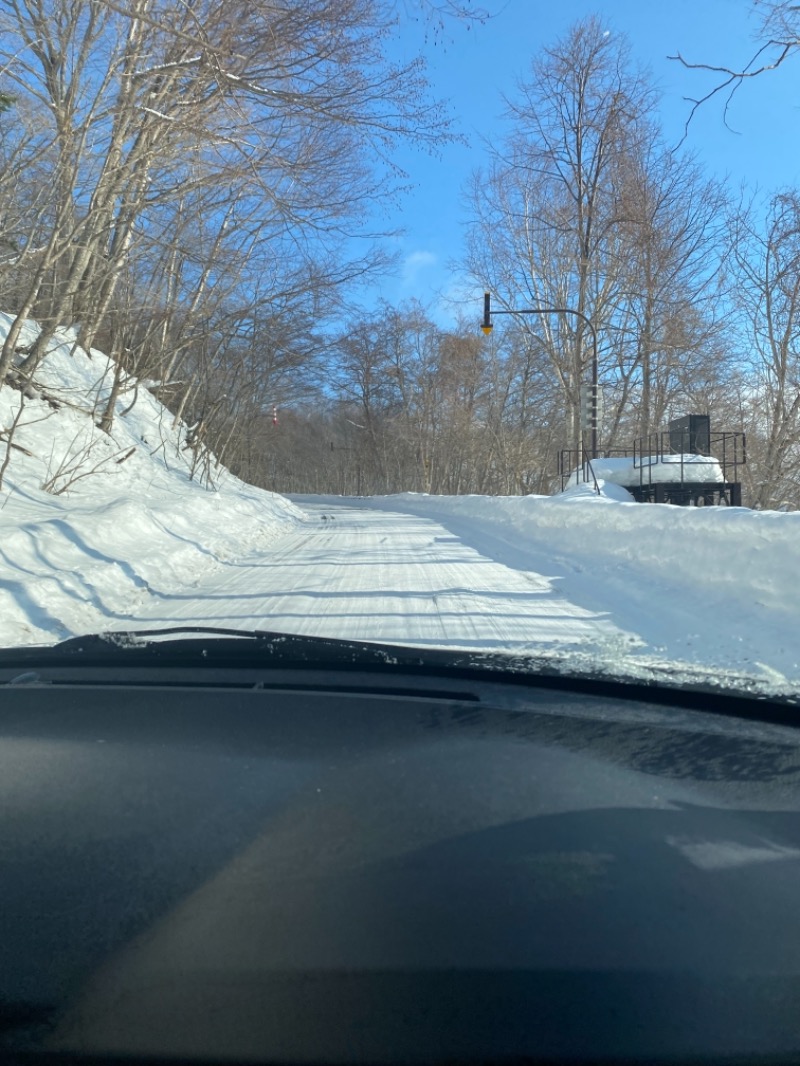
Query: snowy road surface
[[132, 540], [385, 576]]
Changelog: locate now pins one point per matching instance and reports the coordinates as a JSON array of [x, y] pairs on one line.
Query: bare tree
[[666, 323], [768, 297], [585, 208], [291, 106], [547, 209]]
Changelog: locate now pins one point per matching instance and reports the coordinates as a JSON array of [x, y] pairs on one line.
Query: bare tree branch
[[732, 79], [779, 34]]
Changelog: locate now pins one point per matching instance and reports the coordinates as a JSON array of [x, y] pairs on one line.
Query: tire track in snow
[[373, 575]]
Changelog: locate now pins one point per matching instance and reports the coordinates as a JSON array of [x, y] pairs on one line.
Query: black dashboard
[[310, 865]]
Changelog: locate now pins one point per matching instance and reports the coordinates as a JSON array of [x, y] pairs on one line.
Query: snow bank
[[754, 554], [607, 489], [120, 516], [709, 593]]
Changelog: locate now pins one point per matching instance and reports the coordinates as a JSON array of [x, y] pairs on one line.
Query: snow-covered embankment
[[91, 522]]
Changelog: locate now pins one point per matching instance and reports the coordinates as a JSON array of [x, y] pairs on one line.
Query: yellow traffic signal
[[486, 325]]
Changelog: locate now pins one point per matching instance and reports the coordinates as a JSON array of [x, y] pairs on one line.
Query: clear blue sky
[[473, 68]]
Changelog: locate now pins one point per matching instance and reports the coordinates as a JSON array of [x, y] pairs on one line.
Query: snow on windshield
[[104, 532]]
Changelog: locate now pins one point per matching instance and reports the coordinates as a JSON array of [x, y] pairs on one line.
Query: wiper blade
[[208, 646], [202, 648], [198, 651]]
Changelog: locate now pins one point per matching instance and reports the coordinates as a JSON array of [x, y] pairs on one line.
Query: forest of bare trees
[[180, 184]]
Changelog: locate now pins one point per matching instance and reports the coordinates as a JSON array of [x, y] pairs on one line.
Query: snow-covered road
[[104, 532], [386, 576]]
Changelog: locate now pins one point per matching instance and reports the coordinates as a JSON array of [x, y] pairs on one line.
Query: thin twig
[[732, 78]]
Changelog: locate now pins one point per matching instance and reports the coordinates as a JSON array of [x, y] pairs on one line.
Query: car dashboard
[[316, 866]]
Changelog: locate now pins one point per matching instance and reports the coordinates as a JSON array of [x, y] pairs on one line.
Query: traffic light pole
[[486, 326]]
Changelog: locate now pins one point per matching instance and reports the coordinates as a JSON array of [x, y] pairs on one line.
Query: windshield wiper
[[206, 654], [210, 646]]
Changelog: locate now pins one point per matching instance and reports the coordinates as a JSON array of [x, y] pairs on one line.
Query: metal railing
[[578, 462], [727, 449]]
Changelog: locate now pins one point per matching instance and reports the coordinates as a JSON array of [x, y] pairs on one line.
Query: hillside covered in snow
[[92, 523]]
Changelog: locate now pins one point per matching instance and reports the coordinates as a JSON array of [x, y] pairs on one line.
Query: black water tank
[[690, 435]]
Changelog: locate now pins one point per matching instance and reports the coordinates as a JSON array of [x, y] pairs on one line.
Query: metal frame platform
[[671, 447]]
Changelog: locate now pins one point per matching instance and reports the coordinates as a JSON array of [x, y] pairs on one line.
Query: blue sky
[[473, 68]]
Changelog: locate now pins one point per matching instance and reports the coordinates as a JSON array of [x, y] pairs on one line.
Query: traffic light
[[486, 325]]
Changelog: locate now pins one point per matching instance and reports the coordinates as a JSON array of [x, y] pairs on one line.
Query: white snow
[[652, 470], [122, 522], [707, 591], [126, 540]]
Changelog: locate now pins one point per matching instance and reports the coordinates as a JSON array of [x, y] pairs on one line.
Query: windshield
[[413, 323]]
